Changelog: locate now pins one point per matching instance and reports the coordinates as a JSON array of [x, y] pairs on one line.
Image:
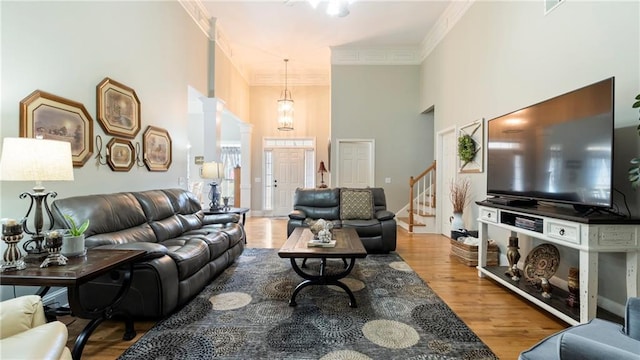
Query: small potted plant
[[73, 242]]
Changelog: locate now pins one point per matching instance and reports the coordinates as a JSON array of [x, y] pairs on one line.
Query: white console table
[[590, 236]]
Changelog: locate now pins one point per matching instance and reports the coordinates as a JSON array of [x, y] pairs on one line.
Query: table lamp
[[321, 171], [213, 170], [29, 159]]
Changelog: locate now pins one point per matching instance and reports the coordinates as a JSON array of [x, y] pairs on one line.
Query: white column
[[245, 173], [212, 111]]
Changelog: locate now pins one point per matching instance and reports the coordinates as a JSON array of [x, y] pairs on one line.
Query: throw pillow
[[356, 204]]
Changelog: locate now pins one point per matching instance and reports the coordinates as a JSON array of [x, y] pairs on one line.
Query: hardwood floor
[[505, 322]]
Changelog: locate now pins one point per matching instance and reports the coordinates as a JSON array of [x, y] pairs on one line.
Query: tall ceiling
[[261, 34]]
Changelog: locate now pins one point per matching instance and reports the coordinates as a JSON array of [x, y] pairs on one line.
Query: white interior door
[[355, 163], [447, 169], [288, 174]]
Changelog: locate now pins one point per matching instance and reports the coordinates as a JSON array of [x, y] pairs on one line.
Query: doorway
[[288, 164], [446, 173], [356, 163]]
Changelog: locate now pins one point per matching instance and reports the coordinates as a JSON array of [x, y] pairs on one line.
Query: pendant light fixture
[[285, 105]]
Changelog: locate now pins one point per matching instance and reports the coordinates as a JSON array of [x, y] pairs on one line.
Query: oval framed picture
[[120, 154]]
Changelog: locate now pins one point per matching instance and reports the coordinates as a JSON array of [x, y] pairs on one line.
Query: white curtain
[[230, 157]]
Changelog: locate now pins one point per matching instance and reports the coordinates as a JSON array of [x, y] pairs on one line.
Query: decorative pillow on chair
[[356, 204]]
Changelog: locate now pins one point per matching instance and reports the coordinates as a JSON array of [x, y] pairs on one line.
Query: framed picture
[[120, 154], [156, 146], [470, 147], [118, 109], [53, 117]]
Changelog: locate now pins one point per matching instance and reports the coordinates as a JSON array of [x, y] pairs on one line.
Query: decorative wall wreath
[[466, 148]]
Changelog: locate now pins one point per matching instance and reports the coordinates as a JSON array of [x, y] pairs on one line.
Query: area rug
[[245, 314]]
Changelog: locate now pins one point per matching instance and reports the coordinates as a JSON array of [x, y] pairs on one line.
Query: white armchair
[[25, 333]]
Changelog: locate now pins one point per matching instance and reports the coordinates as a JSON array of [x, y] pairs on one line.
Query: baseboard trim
[[58, 298]]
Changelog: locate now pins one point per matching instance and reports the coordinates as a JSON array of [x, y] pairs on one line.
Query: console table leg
[[588, 285], [633, 273]]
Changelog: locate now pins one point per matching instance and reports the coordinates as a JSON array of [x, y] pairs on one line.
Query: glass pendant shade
[[285, 106]]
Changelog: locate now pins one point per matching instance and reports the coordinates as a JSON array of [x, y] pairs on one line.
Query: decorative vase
[[546, 288], [11, 235], [73, 245], [573, 283], [457, 224], [513, 256], [53, 244]]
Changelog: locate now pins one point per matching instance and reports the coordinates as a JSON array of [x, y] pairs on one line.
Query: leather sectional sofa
[[185, 249], [375, 225]]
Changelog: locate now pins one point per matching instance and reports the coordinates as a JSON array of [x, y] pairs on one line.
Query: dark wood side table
[[78, 271], [233, 210]]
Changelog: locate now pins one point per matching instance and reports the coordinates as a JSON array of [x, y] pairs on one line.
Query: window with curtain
[[230, 157]]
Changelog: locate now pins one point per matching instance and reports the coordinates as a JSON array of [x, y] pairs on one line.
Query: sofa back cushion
[[356, 204], [379, 199], [187, 207], [318, 203], [113, 218], [161, 215]]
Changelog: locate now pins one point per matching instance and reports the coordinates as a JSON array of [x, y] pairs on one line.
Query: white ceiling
[[259, 35]]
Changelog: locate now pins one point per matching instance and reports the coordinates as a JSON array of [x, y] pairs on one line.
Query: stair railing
[[422, 192]]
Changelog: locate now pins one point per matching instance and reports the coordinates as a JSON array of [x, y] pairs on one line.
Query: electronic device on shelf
[[559, 150]]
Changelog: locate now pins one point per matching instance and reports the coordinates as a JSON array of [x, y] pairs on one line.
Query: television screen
[[559, 150]]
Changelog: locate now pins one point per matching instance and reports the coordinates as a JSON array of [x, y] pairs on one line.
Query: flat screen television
[[559, 150]]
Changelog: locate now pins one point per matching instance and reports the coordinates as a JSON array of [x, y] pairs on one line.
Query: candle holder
[[12, 258], [53, 244]]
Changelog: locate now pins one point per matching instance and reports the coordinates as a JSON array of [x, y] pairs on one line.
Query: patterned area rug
[[245, 314]]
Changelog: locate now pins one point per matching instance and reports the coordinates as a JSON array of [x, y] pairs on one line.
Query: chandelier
[[339, 8], [285, 105]]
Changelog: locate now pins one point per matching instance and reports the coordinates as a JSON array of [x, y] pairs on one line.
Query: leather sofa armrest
[[21, 314], [220, 219], [384, 215], [578, 346], [297, 215], [152, 250], [50, 340]]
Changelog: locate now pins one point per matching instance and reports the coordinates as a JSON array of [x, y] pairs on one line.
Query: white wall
[[382, 103], [68, 47], [506, 55]]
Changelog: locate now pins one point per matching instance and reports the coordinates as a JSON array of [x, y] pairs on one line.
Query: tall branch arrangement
[[460, 194]]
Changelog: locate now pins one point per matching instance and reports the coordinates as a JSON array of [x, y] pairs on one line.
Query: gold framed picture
[[118, 109], [120, 154], [48, 116], [156, 147]]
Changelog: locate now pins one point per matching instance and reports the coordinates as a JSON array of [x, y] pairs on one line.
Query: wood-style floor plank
[[504, 321]]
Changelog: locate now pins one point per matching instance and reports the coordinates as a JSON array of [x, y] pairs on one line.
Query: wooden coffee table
[[348, 246], [78, 271]]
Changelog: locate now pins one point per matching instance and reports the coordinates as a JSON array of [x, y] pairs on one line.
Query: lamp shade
[[28, 159], [322, 169], [212, 170]]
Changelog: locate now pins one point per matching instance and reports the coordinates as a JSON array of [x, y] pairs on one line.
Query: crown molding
[[293, 79], [345, 55], [198, 13], [449, 18]]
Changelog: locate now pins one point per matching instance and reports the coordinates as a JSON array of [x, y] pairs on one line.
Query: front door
[[288, 174]]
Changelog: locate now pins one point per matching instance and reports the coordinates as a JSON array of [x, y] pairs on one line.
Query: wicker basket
[[468, 254]]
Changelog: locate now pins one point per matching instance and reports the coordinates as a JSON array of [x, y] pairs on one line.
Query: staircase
[[419, 216]]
